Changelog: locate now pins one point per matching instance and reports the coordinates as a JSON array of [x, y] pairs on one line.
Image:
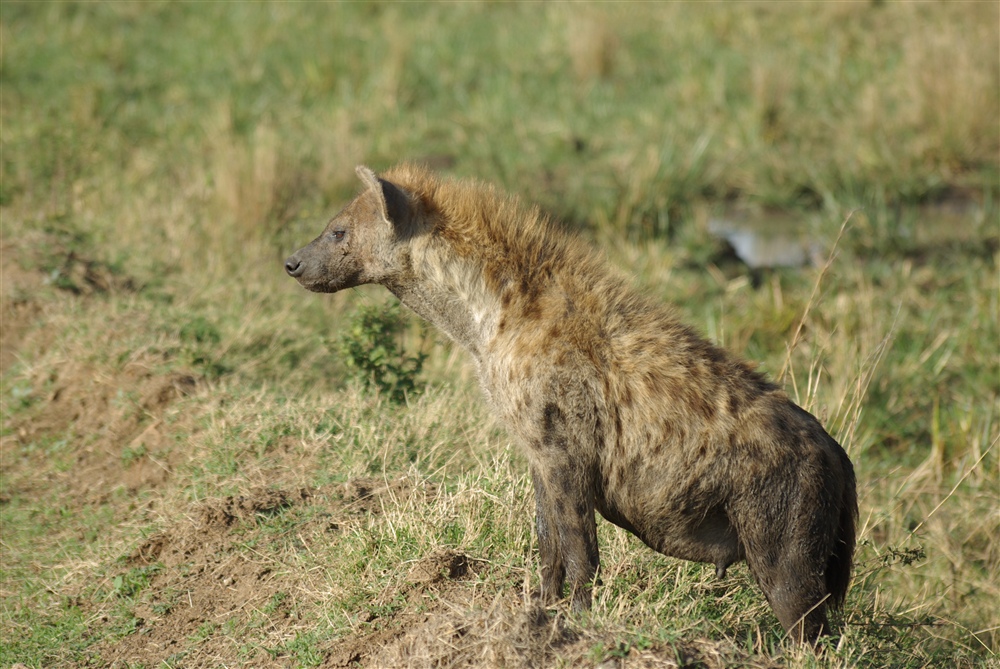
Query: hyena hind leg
[[796, 589], [802, 612]]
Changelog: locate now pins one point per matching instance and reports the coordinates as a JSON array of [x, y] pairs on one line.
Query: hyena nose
[[294, 267]]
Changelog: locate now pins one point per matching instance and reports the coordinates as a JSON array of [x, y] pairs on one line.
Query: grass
[[162, 378]]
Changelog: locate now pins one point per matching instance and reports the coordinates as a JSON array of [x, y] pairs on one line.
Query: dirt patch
[[106, 427], [199, 578], [441, 566], [101, 403], [515, 634], [368, 494], [432, 589], [243, 507], [506, 635], [448, 621]]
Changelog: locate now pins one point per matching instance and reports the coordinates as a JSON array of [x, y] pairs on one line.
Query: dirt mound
[[212, 590], [505, 635], [367, 494], [99, 402], [196, 575], [432, 589], [448, 621], [512, 633], [441, 566], [238, 508]]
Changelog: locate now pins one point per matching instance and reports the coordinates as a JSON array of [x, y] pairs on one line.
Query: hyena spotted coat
[[621, 409]]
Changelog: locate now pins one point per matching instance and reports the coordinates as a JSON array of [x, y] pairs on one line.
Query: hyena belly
[[663, 486]]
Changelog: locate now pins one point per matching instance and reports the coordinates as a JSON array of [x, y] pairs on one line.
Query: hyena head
[[365, 243]]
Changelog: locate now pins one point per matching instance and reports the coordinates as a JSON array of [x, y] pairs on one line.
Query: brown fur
[[622, 409]]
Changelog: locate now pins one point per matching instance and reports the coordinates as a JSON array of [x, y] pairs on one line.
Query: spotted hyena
[[621, 408]]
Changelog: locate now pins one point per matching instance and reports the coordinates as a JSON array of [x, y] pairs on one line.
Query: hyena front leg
[[567, 534], [549, 552]]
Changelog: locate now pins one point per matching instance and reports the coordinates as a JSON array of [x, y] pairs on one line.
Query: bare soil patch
[[200, 579], [113, 426]]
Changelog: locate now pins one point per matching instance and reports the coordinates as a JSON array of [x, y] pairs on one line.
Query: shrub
[[372, 350]]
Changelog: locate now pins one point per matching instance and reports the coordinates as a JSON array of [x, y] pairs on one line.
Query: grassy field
[[194, 474]]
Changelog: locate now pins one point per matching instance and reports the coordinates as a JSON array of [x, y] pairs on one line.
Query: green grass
[[159, 160]]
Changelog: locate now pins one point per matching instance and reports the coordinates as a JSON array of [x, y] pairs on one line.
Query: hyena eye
[[338, 234]]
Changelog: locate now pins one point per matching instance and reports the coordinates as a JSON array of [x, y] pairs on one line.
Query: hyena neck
[[451, 292]]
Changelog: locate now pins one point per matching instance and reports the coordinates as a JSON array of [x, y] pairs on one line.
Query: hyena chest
[[545, 393], [513, 396]]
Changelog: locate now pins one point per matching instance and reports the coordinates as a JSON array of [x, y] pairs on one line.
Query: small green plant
[[373, 354], [277, 599], [201, 331], [132, 455], [204, 631], [134, 581], [303, 648]]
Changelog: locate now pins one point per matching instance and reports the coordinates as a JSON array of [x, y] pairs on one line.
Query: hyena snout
[[294, 267]]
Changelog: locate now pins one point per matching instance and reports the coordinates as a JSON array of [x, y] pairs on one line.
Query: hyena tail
[[838, 566]]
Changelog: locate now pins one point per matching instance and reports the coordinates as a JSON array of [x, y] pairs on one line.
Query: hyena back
[[621, 408]]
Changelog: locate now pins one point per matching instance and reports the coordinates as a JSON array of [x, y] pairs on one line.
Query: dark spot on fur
[[633, 470], [530, 288], [699, 405], [565, 485], [715, 355], [735, 402], [781, 423], [552, 427], [550, 414], [707, 408]]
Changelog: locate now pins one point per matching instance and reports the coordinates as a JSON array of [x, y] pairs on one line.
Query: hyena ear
[[393, 201]]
